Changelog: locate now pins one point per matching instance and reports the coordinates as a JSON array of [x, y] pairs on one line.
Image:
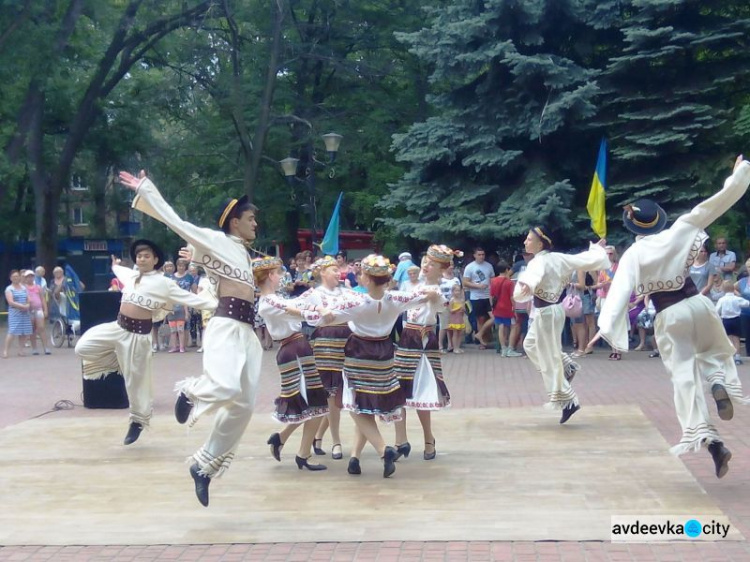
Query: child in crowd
[[456, 321], [728, 308], [501, 295]]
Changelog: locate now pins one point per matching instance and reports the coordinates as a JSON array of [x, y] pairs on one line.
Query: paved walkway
[[31, 386]]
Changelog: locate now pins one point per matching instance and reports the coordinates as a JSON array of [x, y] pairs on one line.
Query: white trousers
[[543, 345], [231, 369], [693, 346], [108, 347]]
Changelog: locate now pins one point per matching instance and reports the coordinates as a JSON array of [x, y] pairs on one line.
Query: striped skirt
[[373, 386], [302, 394], [328, 346], [419, 369]]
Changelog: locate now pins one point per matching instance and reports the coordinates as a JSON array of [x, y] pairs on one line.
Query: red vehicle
[[355, 243]]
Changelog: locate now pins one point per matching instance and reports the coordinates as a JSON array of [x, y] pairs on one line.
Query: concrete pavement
[[32, 386]]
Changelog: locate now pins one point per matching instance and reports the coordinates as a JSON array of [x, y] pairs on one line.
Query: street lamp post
[[292, 170]]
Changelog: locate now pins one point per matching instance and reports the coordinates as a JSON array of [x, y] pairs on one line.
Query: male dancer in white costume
[[231, 350], [688, 332]]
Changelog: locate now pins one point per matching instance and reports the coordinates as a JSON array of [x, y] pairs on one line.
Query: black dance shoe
[[276, 445], [569, 411], [182, 408], [430, 456], [389, 464], [316, 447], [134, 432], [201, 484], [721, 456], [354, 467], [302, 463], [723, 403], [403, 450]]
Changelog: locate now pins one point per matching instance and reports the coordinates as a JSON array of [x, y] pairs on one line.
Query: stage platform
[[501, 474]]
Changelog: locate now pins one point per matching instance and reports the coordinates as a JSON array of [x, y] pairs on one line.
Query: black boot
[[182, 408], [723, 403], [389, 462], [403, 450], [354, 467], [134, 432], [276, 445], [201, 484], [569, 411], [721, 456]]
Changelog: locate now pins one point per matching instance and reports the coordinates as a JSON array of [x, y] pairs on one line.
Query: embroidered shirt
[[426, 314], [371, 318], [157, 293], [549, 272], [280, 323], [661, 262], [220, 255]]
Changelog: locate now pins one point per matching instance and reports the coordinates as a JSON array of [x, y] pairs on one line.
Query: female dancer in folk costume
[[125, 345], [231, 351], [417, 360], [689, 333], [303, 399], [369, 380], [328, 346], [543, 280]]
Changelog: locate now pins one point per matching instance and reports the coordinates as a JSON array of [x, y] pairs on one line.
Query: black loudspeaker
[[98, 307], [106, 392]]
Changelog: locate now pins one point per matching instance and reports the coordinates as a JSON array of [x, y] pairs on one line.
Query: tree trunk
[[261, 130]]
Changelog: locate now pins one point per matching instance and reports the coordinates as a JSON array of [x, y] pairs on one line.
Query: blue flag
[[330, 244], [72, 289]]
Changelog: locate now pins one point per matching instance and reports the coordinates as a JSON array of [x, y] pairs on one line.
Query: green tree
[[671, 97], [77, 54], [509, 82]]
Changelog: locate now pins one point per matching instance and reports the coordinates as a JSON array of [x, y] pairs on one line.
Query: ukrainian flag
[[595, 204]]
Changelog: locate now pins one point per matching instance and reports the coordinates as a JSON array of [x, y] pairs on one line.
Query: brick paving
[[478, 379]]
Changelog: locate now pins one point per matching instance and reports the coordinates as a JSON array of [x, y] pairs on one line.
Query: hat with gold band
[[644, 217], [442, 253], [376, 266], [226, 209], [266, 263]]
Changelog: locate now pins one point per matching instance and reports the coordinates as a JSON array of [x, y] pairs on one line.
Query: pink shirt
[[35, 296]]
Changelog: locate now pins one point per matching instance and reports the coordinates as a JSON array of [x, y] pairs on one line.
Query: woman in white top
[[303, 399], [368, 363], [543, 281], [417, 360], [125, 345], [328, 346]]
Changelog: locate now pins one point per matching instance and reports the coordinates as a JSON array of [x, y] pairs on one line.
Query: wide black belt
[[664, 299], [133, 325], [539, 303], [235, 308]]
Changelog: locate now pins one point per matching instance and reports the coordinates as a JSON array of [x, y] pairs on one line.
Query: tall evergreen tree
[[508, 84], [672, 96]]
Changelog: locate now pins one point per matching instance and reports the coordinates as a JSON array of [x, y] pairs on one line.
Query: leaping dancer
[[688, 332], [231, 350]]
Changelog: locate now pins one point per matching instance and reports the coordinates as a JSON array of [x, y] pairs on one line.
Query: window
[[76, 184], [78, 216]]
